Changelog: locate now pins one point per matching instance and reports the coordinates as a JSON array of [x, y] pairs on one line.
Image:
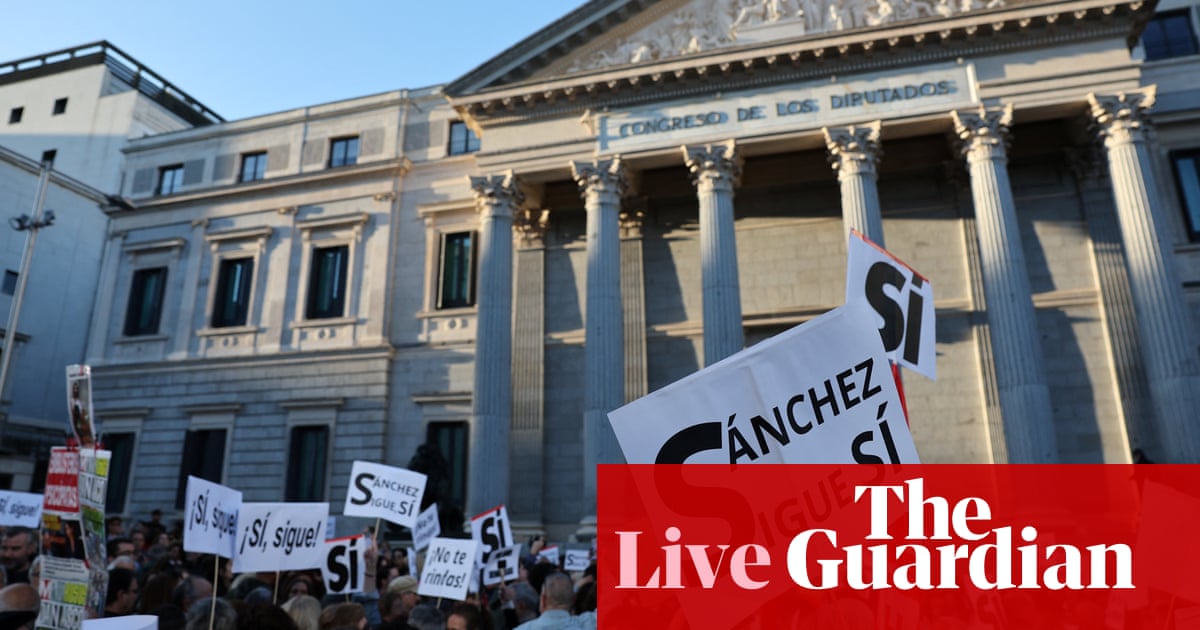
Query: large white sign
[[428, 527], [806, 106], [503, 565], [449, 564], [819, 393], [344, 570], [902, 300], [491, 529], [280, 536], [128, 622], [387, 492], [20, 509], [211, 518]]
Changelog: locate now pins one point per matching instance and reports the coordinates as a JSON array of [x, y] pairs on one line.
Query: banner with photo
[[79, 405], [93, 491]]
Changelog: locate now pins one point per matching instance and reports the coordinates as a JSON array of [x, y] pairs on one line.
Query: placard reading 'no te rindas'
[[789, 108]]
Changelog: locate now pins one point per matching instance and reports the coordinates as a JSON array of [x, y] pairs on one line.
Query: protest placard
[[62, 481], [344, 570], [900, 298], [503, 565], [211, 517], [393, 494], [411, 554], [79, 405], [280, 536], [821, 392], [448, 567], [20, 509], [428, 527], [62, 588], [93, 492], [492, 530], [549, 554], [576, 560], [128, 622]]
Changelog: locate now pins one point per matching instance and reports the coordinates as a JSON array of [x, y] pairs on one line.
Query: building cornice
[[211, 364]]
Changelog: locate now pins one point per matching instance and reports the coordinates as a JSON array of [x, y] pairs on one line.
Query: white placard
[[576, 560], [449, 564], [428, 527], [549, 554], [128, 622], [393, 494], [345, 565], [79, 405], [900, 298], [491, 529], [819, 393], [503, 565], [20, 509], [211, 519], [412, 561], [280, 537]]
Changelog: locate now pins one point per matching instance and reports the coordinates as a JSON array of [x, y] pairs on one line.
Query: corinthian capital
[[712, 163], [855, 147], [1122, 117], [530, 226], [984, 128], [497, 195], [601, 176]]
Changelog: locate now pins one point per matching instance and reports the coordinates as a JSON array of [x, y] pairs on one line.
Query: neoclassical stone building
[[640, 189]]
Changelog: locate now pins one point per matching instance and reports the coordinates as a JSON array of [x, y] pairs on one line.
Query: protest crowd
[[149, 573]]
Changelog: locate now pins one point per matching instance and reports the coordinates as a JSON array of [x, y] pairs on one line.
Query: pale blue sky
[[248, 57]]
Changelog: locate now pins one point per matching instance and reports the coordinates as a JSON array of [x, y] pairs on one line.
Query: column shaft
[[854, 153]]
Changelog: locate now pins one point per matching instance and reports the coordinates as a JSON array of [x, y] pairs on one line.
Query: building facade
[[639, 190]]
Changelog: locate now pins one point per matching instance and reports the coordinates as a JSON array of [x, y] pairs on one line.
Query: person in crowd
[[302, 584], [344, 615], [114, 527], [119, 546], [464, 616], [19, 606], [263, 616], [524, 604], [122, 594], [426, 617], [200, 612], [305, 610], [392, 611], [191, 589], [17, 552], [157, 593], [558, 595], [154, 526], [406, 587]]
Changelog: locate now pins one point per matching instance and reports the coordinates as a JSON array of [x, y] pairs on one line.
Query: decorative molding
[[240, 234], [1122, 117], [600, 176], [854, 147], [352, 219], [212, 408], [146, 246], [529, 226], [986, 127], [312, 403], [441, 398], [709, 163], [498, 195], [288, 210]]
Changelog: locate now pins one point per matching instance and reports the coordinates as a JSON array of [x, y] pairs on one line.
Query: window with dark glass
[[462, 139], [456, 275], [343, 152], [450, 438], [307, 455], [203, 457], [1169, 34], [14, 115], [60, 106], [145, 301], [327, 282], [254, 166], [231, 304], [170, 179], [1187, 177], [10, 282], [121, 465]]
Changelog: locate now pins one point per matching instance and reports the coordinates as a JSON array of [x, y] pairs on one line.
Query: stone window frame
[[126, 421], [343, 229], [233, 244], [442, 219], [148, 255], [311, 413], [215, 417], [261, 158], [176, 177], [1188, 216]]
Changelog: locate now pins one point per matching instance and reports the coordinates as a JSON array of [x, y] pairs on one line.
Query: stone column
[[529, 361], [633, 298], [602, 183], [1163, 320], [497, 198], [854, 153], [715, 169], [1016, 342]]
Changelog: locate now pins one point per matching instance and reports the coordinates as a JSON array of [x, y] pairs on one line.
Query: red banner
[[899, 547], [62, 482]]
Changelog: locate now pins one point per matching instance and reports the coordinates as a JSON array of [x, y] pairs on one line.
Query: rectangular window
[[456, 277], [1187, 177], [145, 301], [343, 152], [462, 139], [14, 115], [121, 445], [1169, 34], [327, 282], [307, 457], [254, 166], [170, 179], [450, 438], [10, 282], [231, 303], [203, 457], [60, 106]]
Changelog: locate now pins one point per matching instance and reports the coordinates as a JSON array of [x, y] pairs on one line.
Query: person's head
[[114, 526], [558, 593], [18, 606], [465, 616], [299, 584], [190, 590], [120, 547], [157, 591], [525, 600], [122, 591], [19, 548], [426, 617], [391, 606], [585, 599], [346, 614], [305, 611], [406, 587], [198, 615], [263, 616], [156, 516], [138, 538]]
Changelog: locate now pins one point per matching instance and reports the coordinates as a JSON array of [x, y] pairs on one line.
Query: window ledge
[[317, 323], [139, 339], [1172, 61], [448, 312], [1187, 248], [228, 330]]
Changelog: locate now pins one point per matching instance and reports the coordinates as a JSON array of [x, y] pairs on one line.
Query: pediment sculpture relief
[[709, 24]]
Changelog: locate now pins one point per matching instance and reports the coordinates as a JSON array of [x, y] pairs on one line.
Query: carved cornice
[[853, 148], [1123, 117], [709, 164], [605, 176], [497, 195], [983, 129]]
